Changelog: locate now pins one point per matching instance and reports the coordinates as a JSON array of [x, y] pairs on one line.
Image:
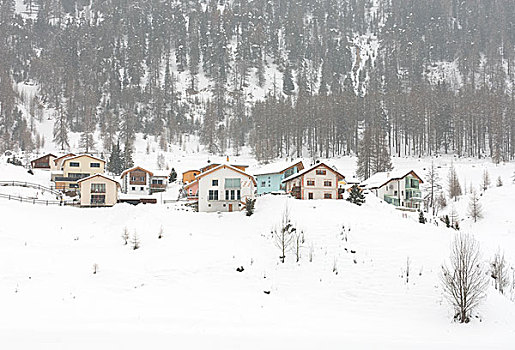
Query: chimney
[[227, 159]]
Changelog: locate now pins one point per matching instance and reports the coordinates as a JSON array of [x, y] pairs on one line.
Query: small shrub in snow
[[125, 235], [135, 243], [335, 266], [95, 269], [499, 182], [421, 218], [311, 249], [463, 280], [249, 206], [160, 234]]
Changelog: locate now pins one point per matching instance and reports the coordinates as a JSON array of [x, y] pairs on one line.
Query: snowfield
[[183, 290]]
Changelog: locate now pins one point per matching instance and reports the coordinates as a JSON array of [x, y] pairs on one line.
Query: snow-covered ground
[[184, 290]]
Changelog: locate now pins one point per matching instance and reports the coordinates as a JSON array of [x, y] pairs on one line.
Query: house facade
[[98, 190], [58, 162], [222, 188], [75, 168], [400, 188], [45, 162], [317, 182], [136, 180], [269, 179]]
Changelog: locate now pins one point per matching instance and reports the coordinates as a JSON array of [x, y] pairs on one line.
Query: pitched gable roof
[[225, 166], [382, 178], [125, 172], [279, 168], [300, 173], [46, 155], [99, 175], [63, 157], [83, 155]]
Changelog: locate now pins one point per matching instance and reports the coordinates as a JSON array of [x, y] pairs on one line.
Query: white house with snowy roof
[[398, 187]]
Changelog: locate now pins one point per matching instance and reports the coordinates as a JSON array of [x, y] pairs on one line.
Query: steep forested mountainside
[[285, 77]]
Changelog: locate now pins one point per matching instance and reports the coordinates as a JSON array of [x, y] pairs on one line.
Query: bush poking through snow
[[135, 243], [249, 206], [463, 281], [95, 269], [421, 218], [335, 266], [161, 232], [499, 182], [125, 235]]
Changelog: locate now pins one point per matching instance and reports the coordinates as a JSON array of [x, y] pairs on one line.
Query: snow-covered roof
[[82, 155], [276, 168], [302, 172], [382, 178], [228, 166], [161, 173], [135, 168], [102, 175]]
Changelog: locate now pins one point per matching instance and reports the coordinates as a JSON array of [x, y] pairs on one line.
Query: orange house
[[189, 176]]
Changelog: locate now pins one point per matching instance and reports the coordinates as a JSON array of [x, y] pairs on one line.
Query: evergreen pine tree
[[115, 164], [356, 195], [173, 176], [421, 218], [288, 86]]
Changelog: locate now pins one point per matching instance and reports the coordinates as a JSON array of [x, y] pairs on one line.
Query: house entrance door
[[230, 207]]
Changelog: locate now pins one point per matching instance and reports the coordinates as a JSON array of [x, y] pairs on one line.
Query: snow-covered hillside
[[184, 290]]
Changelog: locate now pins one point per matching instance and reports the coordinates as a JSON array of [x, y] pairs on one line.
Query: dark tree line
[[440, 81]]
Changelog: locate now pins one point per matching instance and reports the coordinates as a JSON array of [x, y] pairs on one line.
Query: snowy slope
[[184, 290]]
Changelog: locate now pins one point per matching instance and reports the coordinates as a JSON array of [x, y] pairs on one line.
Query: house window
[[157, 182], [310, 195], [394, 193], [94, 165], [311, 183], [74, 186], [133, 188], [321, 172], [263, 183], [74, 164], [98, 199], [141, 188], [328, 196], [233, 183], [213, 195], [98, 188], [77, 175], [238, 194], [328, 183], [214, 183]]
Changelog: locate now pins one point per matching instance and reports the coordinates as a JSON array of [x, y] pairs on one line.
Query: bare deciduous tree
[[485, 183], [285, 236], [432, 187], [499, 272], [298, 243], [453, 183], [464, 281], [475, 210]]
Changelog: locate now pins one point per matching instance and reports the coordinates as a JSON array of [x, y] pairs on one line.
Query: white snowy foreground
[[183, 291]]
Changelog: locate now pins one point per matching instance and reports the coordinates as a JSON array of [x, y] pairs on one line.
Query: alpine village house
[[270, 177], [400, 188], [221, 188], [320, 181]]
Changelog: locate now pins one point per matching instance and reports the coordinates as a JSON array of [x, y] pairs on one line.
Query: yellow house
[[77, 167], [98, 191]]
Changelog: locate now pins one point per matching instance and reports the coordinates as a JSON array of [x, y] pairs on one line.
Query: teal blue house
[[269, 177]]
